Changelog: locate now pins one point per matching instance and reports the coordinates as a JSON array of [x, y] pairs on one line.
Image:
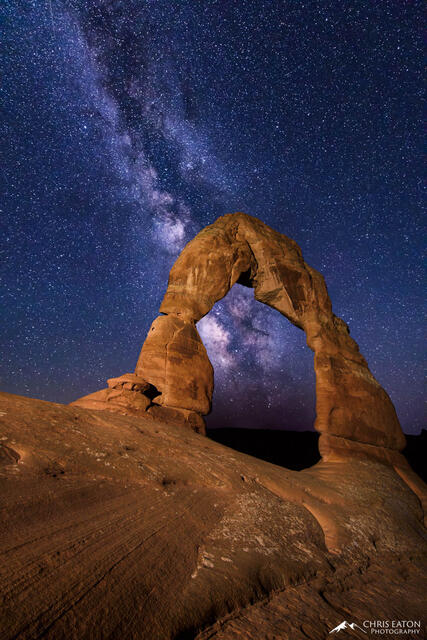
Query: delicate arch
[[351, 405]]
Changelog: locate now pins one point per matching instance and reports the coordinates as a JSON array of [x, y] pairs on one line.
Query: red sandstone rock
[[133, 526], [125, 394], [238, 247], [174, 359], [114, 526], [129, 381], [184, 417], [350, 403]]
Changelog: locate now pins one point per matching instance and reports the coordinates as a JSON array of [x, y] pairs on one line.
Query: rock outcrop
[[128, 394], [174, 359], [351, 405], [116, 526]]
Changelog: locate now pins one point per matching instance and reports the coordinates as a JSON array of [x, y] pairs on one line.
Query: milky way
[[129, 126]]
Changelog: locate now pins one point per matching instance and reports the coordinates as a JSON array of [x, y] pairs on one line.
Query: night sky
[[130, 125]]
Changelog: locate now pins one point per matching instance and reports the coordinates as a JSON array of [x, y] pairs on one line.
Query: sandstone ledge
[[116, 526]]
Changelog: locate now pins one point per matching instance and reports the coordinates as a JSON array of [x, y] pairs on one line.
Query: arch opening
[[263, 402], [263, 370]]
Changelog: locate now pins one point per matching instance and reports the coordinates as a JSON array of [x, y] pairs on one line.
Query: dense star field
[[129, 126]]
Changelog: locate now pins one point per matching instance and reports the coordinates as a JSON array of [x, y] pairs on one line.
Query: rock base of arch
[[131, 395]]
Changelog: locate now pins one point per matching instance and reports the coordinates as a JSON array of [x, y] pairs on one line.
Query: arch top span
[[240, 248], [174, 376]]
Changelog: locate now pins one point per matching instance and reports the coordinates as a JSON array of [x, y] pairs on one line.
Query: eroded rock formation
[[351, 405], [175, 361], [127, 394]]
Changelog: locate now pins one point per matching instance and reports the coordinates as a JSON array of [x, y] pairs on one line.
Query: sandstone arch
[[353, 410]]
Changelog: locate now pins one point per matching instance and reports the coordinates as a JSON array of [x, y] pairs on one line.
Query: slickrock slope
[[118, 526]]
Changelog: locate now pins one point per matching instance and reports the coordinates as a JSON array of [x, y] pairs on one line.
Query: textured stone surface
[[184, 417], [129, 381], [240, 248], [174, 359], [126, 394], [115, 526]]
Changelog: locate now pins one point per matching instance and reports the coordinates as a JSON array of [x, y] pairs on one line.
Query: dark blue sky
[[131, 125]]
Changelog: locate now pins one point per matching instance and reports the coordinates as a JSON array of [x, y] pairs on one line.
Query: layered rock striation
[[119, 526]]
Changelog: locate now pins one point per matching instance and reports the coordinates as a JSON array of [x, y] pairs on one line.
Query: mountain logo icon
[[346, 625]]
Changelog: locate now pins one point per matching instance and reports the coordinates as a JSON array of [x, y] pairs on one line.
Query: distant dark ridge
[[291, 449], [416, 453], [299, 449]]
